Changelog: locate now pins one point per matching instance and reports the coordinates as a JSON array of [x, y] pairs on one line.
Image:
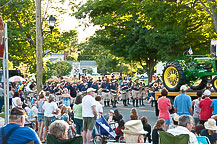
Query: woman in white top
[[49, 113], [16, 101]]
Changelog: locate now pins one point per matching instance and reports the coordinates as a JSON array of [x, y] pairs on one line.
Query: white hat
[[183, 88], [85, 83], [210, 124], [176, 117], [207, 93], [90, 90], [134, 127], [111, 111]]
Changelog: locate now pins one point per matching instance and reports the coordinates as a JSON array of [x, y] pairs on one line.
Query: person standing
[[105, 93], [16, 100], [183, 103], [195, 103], [124, 90], [66, 98], [40, 101], [206, 110], [113, 90], [49, 110], [77, 108], [1, 97], [136, 87], [164, 106], [89, 115]]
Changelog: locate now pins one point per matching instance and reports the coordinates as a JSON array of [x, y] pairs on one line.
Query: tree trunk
[[215, 21], [150, 68]]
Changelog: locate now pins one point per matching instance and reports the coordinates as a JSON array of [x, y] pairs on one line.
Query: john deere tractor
[[195, 73]]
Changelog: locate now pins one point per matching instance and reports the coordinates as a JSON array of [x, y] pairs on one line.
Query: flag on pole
[[190, 51]]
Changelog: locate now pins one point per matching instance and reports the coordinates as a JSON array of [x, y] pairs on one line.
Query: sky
[[67, 22]]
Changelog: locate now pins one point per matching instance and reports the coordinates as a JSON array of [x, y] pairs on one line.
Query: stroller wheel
[[98, 139]]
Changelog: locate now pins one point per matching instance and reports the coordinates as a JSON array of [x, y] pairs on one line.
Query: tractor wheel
[[214, 83], [173, 77], [200, 84]]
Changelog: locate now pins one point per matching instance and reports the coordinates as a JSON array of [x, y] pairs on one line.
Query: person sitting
[[133, 132], [185, 126], [158, 126], [198, 129], [210, 131], [134, 114], [59, 129], [146, 127], [15, 132], [119, 129], [117, 116]]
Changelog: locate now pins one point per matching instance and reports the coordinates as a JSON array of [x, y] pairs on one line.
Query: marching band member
[[105, 92], [124, 91], [114, 90], [136, 92]]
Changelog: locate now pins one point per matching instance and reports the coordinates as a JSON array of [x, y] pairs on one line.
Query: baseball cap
[[183, 88], [90, 89], [207, 93]]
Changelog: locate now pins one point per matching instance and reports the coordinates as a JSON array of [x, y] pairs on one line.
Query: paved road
[[146, 110]]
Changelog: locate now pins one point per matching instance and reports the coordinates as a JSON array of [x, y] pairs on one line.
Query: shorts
[[124, 96], [167, 121], [40, 117], [47, 120], [88, 123]]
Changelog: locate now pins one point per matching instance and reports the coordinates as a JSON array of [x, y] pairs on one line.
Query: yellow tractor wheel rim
[[215, 83], [171, 77]]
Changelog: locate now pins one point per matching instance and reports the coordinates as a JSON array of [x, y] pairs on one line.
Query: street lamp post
[[79, 52]]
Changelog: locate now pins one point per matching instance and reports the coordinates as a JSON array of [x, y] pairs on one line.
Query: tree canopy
[[21, 19], [148, 31]]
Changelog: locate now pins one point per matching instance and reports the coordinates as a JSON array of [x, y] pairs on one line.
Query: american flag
[[190, 51]]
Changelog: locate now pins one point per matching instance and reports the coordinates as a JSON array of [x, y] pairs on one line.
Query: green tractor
[[194, 73]]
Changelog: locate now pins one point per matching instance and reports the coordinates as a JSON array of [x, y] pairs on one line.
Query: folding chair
[[52, 140], [203, 140], [168, 138]]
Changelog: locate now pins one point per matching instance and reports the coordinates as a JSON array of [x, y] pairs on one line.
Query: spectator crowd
[[66, 110]]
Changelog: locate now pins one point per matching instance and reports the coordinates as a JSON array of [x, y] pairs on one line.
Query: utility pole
[[39, 46]]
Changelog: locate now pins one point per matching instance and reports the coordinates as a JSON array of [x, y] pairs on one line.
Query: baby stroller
[[106, 133]]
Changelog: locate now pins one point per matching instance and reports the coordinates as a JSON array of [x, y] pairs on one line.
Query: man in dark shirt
[[105, 93], [72, 90], [113, 90]]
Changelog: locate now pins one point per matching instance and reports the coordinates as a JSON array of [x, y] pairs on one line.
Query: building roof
[[85, 63]]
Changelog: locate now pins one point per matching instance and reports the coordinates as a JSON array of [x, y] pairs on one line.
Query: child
[[119, 129], [195, 104]]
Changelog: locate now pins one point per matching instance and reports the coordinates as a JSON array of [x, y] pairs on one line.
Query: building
[[83, 66]]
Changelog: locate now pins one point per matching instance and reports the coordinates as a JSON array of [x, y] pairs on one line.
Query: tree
[[211, 9], [21, 19], [146, 31], [62, 68]]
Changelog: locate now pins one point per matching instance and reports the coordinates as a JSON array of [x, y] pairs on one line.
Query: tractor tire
[[214, 83], [173, 77], [201, 85]]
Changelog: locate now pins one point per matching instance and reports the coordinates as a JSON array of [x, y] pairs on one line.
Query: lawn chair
[[52, 140], [167, 138], [203, 140]]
